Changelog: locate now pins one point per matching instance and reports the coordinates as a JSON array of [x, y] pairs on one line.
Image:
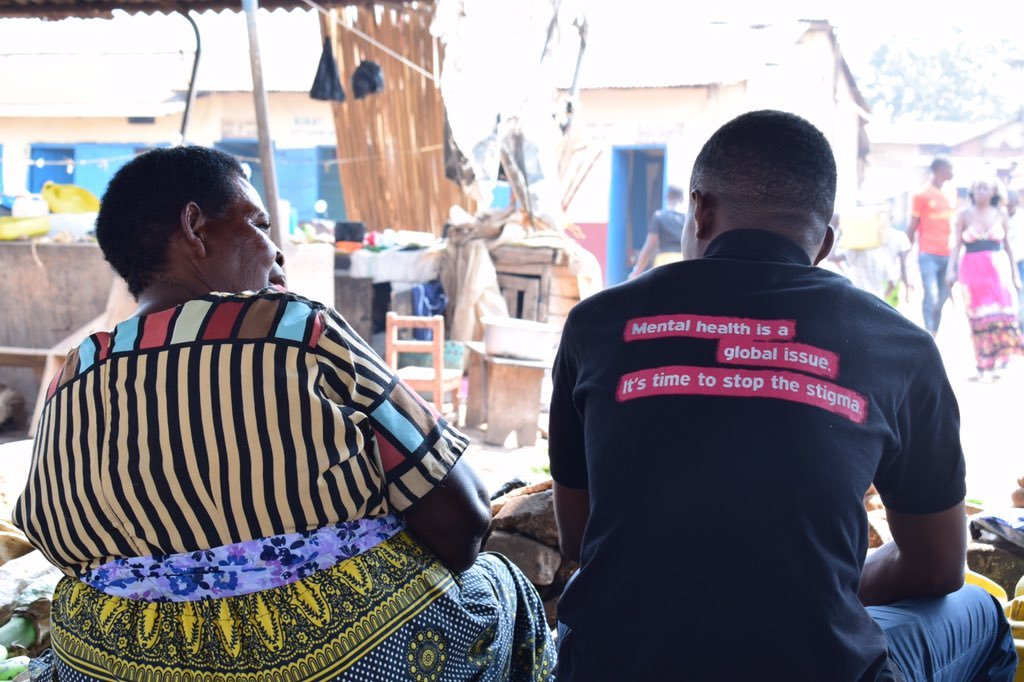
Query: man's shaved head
[[772, 170]]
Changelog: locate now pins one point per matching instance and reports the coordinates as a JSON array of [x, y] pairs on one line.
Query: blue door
[[637, 191]]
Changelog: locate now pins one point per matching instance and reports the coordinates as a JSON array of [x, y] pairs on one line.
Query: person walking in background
[[663, 234], [1016, 237], [872, 254], [990, 280], [930, 218]]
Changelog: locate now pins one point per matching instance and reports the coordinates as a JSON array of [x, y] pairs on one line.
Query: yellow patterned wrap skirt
[[392, 613]]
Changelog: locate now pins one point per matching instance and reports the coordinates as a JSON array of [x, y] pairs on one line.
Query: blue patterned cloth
[[243, 567]]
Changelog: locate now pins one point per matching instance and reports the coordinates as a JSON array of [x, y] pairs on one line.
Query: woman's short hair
[[142, 206]]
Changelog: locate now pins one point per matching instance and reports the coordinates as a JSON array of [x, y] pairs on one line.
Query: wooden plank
[[564, 283], [513, 402], [52, 290], [514, 254], [522, 294], [559, 306], [391, 144], [353, 298], [12, 356]]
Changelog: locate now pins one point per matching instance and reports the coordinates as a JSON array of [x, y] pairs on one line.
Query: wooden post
[[259, 95]]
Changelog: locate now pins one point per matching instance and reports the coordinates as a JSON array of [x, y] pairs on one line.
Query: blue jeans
[[962, 637], [1020, 269], [933, 279]]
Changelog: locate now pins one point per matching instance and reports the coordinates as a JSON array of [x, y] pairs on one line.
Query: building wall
[[680, 118], [806, 79], [296, 123]]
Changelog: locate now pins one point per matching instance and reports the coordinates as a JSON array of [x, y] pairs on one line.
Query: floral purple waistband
[[241, 568]]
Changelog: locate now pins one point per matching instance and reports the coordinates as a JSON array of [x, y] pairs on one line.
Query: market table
[[504, 393]]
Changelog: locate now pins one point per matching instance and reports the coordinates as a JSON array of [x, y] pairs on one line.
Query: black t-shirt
[[668, 225], [727, 415]]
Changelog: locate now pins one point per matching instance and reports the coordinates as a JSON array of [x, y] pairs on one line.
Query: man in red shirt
[[930, 216]]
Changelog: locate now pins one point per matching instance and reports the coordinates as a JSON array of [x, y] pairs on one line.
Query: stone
[[499, 500], [878, 529], [999, 561], [538, 562], [13, 543], [530, 515]]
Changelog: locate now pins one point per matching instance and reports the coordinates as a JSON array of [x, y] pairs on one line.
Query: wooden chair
[[435, 379], [47, 361]]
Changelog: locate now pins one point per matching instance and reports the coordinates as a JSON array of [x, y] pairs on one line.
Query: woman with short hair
[[238, 487]]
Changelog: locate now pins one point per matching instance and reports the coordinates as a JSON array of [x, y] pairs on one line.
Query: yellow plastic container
[[23, 228], [69, 198], [1014, 612], [1016, 608], [987, 584], [861, 228]]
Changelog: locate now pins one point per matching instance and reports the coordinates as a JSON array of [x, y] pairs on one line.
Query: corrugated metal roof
[[628, 53], [132, 62], [61, 9]]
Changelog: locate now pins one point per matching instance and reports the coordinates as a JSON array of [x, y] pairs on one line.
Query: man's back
[[932, 209], [732, 411]]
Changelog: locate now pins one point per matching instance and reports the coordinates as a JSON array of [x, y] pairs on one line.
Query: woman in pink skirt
[[983, 263]]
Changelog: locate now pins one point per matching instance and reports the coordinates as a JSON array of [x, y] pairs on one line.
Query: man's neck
[[937, 184]]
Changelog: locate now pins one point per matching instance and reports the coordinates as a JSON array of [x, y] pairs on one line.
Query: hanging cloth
[[428, 299], [368, 79], [327, 83]]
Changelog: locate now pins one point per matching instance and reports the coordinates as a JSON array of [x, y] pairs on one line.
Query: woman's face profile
[[982, 191], [243, 256]]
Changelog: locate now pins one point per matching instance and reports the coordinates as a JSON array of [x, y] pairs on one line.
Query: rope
[[246, 159], [380, 46]]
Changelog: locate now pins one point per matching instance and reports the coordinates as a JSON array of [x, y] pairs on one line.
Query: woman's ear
[[193, 229]]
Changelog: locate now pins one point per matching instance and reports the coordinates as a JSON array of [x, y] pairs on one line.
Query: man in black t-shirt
[[714, 427], [663, 235]]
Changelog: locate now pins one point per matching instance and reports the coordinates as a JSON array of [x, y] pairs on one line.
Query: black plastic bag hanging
[[327, 83], [368, 79]]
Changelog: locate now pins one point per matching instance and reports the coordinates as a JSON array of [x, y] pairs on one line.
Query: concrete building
[[652, 94], [80, 97], [901, 153]]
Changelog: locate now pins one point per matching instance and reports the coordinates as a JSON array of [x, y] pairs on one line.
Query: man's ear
[[703, 209], [826, 244], [192, 229]]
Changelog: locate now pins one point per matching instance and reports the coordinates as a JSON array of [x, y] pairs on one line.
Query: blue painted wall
[[297, 179], [95, 176], [87, 171], [57, 173], [329, 184]]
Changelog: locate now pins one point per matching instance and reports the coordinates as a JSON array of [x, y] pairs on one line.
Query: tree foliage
[[960, 79]]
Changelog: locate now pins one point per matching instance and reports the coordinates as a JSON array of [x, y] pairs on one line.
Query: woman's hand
[[951, 277]]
